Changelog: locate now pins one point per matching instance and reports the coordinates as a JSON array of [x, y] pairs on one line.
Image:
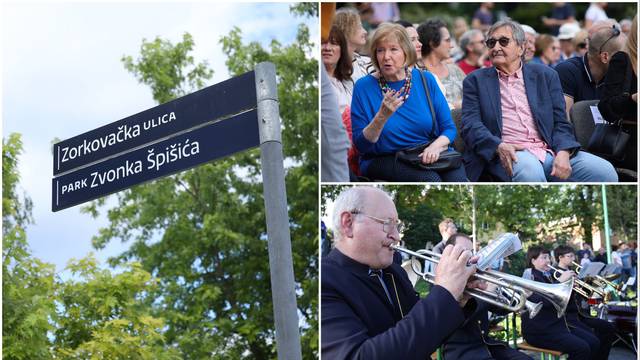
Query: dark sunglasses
[[615, 32], [491, 42], [582, 45]]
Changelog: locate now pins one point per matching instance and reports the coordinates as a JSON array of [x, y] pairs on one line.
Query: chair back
[[458, 143], [582, 120]]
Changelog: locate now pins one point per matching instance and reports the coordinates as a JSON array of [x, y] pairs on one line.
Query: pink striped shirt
[[518, 125]]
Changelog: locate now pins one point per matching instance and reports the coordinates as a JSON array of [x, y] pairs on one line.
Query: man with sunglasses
[[582, 77], [514, 123], [369, 307]]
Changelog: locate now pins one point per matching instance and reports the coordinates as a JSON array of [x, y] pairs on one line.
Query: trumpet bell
[[533, 308]]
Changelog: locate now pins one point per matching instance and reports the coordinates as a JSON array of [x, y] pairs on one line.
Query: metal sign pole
[[285, 309]]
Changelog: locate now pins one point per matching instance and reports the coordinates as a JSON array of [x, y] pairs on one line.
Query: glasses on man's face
[[615, 32], [491, 42], [387, 224], [582, 46]]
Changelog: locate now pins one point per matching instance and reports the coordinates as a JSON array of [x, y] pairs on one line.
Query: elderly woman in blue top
[[390, 112]]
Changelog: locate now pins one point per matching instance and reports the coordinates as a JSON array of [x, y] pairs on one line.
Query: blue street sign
[[215, 102], [163, 158]]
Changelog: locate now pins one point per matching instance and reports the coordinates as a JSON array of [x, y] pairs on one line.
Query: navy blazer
[[482, 117], [547, 321], [358, 322], [471, 340]]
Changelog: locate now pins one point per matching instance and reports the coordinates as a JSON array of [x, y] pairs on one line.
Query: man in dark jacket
[[471, 341], [369, 308], [514, 123]]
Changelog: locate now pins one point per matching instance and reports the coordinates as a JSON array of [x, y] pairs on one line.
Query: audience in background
[[595, 13], [474, 51], [562, 13], [568, 32], [436, 47], [348, 22], [547, 52]]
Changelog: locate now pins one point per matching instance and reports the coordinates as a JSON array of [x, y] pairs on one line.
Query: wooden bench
[[552, 354]]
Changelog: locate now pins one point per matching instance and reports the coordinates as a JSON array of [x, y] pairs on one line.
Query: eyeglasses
[[582, 46], [387, 225], [615, 32], [491, 42]]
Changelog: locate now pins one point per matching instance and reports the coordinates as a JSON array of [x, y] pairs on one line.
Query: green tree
[[202, 232], [27, 283], [101, 315]]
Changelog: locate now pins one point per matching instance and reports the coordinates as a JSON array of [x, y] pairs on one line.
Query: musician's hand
[[452, 272], [566, 275]]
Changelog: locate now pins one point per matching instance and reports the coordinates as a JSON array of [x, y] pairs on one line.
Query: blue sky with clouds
[[62, 76]]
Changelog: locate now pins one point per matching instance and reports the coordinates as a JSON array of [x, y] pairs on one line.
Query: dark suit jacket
[[471, 340], [482, 117], [547, 321], [359, 323]]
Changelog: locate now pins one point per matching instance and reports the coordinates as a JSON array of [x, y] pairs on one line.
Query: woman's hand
[[432, 152], [391, 101]]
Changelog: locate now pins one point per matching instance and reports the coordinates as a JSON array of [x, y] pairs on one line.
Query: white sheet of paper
[[597, 117]]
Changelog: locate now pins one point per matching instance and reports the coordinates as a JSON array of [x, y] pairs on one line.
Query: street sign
[[232, 116], [212, 103], [159, 159]]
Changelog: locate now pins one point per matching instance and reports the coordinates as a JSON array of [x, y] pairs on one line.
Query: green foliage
[[102, 315], [27, 283], [175, 72], [305, 9], [202, 232]]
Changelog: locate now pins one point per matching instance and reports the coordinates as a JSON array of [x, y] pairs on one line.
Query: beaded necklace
[[406, 87]]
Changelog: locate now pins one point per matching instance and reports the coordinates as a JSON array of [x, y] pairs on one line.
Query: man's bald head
[[355, 199], [603, 38]]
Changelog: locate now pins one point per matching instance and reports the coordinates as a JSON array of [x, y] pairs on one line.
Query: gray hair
[[516, 30], [465, 39], [350, 200]]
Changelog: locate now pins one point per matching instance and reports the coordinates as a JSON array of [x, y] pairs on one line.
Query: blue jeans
[[585, 167]]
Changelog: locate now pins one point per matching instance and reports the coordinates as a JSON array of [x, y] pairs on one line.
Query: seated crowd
[[404, 94]]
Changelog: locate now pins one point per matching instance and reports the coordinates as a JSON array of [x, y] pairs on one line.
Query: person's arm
[[616, 102], [334, 140], [568, 103], [362, 114]]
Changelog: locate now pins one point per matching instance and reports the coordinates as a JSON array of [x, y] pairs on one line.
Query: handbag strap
[[433, 113]]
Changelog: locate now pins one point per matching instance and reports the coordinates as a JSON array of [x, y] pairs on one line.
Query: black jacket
[[471, 340], [359, 323], [547, 320]]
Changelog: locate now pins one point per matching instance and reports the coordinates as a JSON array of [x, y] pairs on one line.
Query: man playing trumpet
[[369, 307]]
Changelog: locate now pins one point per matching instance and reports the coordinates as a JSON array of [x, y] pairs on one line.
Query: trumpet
[[600, 281], [581, 287], [513, 292]]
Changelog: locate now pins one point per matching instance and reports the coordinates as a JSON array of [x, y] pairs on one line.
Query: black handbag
[[609, 141], [447, 159]]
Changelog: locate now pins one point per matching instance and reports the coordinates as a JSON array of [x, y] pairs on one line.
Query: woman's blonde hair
[[397, 32], [631, 47], [347, 19]]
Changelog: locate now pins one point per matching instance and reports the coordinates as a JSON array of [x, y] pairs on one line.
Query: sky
[[62, 76]]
